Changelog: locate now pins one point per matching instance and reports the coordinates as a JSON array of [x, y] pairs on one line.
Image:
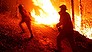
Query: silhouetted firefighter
[[67, 28], [25, 18]]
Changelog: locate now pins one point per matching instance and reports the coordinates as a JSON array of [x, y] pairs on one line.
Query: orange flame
[[77, 23], [85, 31], [48, 16]]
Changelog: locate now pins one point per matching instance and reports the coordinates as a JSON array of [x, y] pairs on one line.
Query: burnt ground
[[44, 39]]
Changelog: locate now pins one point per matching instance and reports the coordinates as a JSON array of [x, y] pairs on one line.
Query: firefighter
[[65, 27], [25, 18]]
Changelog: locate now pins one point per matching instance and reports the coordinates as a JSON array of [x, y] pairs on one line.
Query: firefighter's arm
[[59, 24]]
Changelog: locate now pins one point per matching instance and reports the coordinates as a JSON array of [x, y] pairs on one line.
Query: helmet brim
[[63, 7]]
